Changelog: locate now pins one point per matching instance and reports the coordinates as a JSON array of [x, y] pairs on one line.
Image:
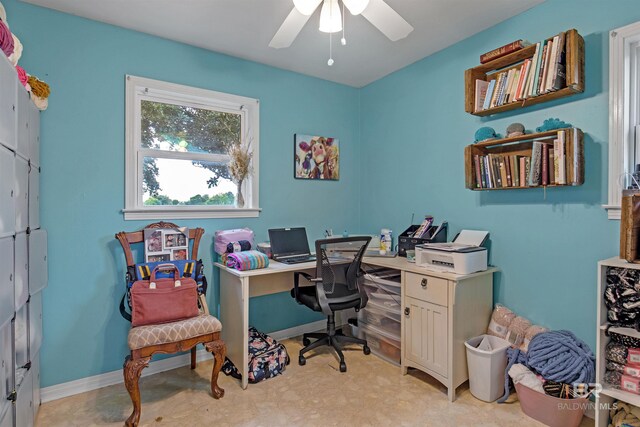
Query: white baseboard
[[95, 382]]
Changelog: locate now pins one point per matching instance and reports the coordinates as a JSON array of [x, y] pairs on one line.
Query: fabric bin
[[550, 410]]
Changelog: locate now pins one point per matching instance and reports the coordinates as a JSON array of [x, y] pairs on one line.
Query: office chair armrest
[[296, 281]]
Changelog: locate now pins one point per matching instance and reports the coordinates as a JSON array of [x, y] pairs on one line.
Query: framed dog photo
[[316, 157]]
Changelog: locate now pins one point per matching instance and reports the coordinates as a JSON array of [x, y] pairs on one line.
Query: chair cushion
[[148, 335], [307, 296]]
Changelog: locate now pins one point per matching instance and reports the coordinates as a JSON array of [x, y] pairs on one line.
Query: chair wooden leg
[[193, 358], [132, 369], [219, 350]]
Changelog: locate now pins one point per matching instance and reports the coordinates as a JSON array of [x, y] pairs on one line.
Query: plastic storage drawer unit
[[381, 344]]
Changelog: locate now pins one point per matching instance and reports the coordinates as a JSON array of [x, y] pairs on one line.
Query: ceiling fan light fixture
[[356, 7], [306, 7], [330, 17]]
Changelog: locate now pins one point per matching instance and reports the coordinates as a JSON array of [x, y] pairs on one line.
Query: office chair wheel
[[306, 341], [366, 350], [301, 360], [343, 367]]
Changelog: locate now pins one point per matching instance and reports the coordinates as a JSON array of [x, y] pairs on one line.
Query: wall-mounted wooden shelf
[[521, 146], [574, 70]]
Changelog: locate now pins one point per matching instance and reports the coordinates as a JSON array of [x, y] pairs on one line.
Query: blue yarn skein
[[556, 355]]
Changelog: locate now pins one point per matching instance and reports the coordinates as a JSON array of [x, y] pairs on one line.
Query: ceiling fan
[[379, 13]]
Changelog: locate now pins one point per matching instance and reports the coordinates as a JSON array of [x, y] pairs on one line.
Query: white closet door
[[34, 197], [24, 402], [7, 192], [35, 369], [24, 105], [6, 367], [21, 194], [7, 298], [6, 419], [21, 263], [35, 323], [34, 134], [38, 272], [21, 337], [8, 107]]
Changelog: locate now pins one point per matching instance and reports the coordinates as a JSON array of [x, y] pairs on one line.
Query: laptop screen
[[289, 241]]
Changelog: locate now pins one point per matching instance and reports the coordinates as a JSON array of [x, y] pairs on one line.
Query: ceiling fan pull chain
[[330, 61]]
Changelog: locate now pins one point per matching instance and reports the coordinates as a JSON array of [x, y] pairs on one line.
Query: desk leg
[[234, 315]]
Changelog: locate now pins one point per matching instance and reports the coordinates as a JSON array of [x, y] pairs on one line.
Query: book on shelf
[[522, 83], [552, 166], [523, 173], [481, 93], [536, 164], [562, 159], [551, 64], [560, 79], [489, 94], [545, 165], [578, 160], [545, 67], [496, 90], [532, 71], [503, 50], [536, 73]]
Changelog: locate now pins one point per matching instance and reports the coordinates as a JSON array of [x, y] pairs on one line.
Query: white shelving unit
[[23, 253], [608, 394]]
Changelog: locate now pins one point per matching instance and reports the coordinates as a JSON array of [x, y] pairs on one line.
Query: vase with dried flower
[[240, 167]]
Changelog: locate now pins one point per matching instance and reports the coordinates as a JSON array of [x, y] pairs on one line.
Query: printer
[[464, 255]]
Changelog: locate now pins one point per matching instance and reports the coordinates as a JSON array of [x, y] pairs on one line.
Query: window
[[624, 111], [185, 152]]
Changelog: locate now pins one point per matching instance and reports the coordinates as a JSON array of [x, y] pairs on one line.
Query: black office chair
[[336, 288]]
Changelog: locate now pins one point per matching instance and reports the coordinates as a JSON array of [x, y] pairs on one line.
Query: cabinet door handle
[[407, 311], [424, 283]]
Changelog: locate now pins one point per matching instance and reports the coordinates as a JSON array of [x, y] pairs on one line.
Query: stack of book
[[553, 161], [544, 72]]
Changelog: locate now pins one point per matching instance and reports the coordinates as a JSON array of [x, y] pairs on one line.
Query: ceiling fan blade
[[289, 29], [387, 20]]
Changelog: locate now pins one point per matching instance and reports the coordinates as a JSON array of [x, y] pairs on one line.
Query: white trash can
[[487, 361]]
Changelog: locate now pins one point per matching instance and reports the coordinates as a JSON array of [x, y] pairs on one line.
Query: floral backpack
[[267, 358]]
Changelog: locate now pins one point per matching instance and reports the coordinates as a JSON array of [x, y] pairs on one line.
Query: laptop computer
[[290, 245]]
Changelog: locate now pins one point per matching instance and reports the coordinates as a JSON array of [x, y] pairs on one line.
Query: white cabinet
[[38, 272], [24, 108], [7, 298], [34, 197], [34, 135], [24, 402], [8, 108], [35, 324], [21, 263], [7, 192], [427, 332], [21, 193], [442, 311], [35, 369], [21, 337], [6, 367]]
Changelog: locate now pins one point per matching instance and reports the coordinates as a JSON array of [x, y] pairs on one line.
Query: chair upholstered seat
[[148, 335], [307, 296]]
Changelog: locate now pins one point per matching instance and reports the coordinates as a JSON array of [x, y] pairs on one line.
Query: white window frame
[[624, 107], [140, 88]]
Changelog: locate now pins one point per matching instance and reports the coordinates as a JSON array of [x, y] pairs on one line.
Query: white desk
[[456, 307]]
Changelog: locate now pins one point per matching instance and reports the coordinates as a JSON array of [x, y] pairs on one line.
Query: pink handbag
[[163, 300]]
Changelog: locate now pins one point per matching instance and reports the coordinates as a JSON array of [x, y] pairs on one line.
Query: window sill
[[189, 213], [613, 211]]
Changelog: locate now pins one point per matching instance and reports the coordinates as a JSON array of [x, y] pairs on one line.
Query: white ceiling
[[243, 28]]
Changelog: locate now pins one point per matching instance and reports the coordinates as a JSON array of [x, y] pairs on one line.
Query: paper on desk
[[471, 237]]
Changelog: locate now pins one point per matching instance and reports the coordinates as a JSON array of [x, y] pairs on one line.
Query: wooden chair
[[145, 341]]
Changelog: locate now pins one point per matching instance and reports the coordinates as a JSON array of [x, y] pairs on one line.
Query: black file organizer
[[406, 243]]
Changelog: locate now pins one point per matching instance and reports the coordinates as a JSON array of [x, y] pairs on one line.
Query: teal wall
[[402, 142], [82, 187], [414, 130]]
